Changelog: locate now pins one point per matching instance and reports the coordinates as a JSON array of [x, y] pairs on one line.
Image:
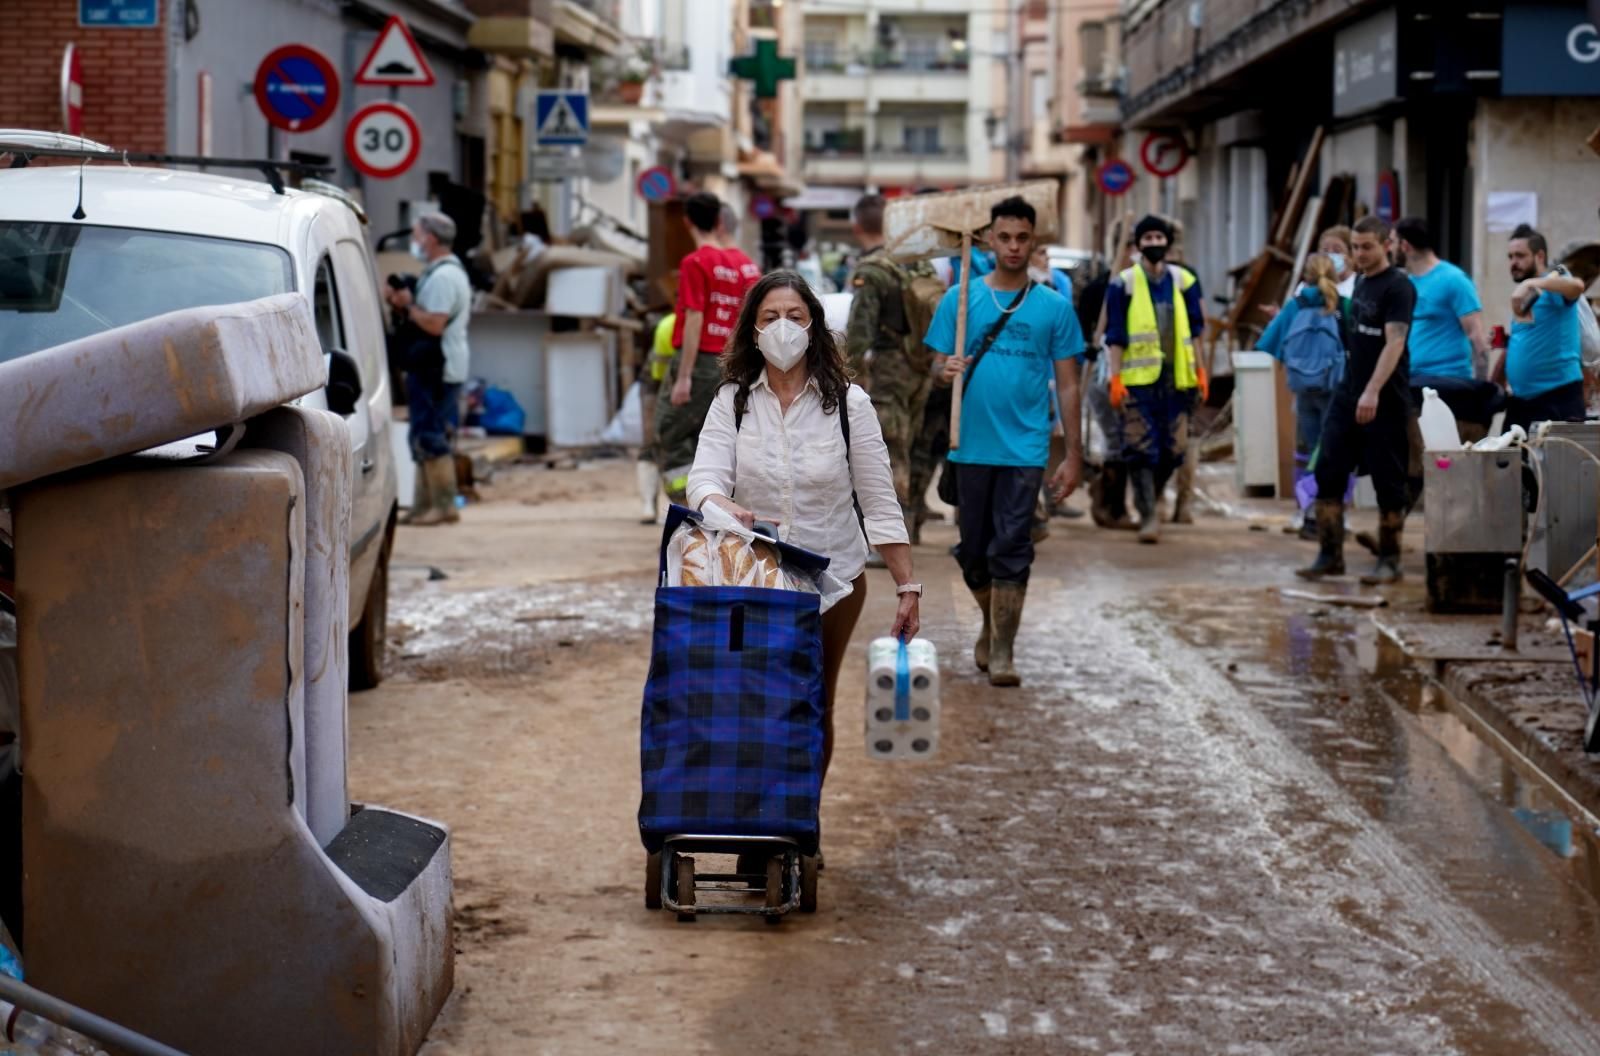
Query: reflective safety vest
[[1141, 360], [661, 350]]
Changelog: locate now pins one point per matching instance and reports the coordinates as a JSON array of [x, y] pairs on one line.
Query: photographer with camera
[[432, 337]]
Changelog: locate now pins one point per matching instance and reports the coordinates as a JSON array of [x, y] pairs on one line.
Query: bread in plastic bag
[[721, 552]]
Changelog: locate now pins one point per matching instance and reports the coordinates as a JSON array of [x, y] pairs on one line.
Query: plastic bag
[[721, 552]]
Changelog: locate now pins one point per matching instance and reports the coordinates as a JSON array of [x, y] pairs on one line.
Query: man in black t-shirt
[[1367, 424]]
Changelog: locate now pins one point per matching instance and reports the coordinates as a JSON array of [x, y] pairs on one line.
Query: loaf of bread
[[694, 559], [768, 567]]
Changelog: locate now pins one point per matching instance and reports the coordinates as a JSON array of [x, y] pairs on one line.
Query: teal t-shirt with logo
[[1005, 406]]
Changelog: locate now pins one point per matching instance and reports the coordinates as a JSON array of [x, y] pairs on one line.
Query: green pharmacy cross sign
[[766, 68]]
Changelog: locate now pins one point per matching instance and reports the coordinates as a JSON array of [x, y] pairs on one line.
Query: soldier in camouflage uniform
[[888, 359]]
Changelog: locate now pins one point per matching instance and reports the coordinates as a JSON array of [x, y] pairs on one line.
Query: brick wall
[[124, 74]]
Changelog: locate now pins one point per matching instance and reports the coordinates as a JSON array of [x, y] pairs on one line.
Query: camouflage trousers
[[931, 445], [899, 393], [678, 428]]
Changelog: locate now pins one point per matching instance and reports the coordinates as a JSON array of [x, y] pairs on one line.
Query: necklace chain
[[1016, 302]]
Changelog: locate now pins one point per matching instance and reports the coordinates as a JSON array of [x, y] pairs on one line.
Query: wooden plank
[[961, 338], [1302, 188], [922, 226]]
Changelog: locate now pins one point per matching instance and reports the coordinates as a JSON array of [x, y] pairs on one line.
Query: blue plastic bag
[[502, 415]]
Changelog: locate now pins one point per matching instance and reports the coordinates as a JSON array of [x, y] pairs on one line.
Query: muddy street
[[1213, 820]]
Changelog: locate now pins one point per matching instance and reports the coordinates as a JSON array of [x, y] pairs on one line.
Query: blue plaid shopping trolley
[[730, 743]]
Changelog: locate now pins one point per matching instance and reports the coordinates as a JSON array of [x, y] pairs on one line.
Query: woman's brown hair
[[1320, 273], [742, 361]]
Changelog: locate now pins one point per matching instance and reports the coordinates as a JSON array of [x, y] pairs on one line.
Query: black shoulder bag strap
[[844, 428], [995, 328]]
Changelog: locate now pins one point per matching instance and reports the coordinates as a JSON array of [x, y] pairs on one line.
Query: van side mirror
[[344, 383]]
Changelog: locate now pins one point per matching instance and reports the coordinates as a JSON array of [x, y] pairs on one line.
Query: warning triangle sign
[[561, 122], [395, 59]]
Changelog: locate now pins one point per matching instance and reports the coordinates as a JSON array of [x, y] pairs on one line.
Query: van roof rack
[[25, 145]]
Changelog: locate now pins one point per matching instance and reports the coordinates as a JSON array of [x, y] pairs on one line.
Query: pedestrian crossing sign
[[561, 119]]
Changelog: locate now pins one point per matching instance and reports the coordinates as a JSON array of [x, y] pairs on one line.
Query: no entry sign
[[656, 184], [297, 88], [71, 92], [1115, 177], [383, 140], [1164, 154]]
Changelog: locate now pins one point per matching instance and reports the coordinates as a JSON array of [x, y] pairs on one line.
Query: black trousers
[[996, 520], [1382, 448], [1563, 404]]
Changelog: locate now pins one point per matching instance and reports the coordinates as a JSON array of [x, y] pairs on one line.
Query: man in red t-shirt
[[711, 286]]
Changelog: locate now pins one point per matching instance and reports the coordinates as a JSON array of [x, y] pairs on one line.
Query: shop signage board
[[395, 61], [1115, 177], [1164, 154], [1366, 68], [383, 140], [1549, 49], [297, 88], [119, 14]]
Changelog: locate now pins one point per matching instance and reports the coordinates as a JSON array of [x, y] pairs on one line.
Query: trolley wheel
[[652, 881], [685, 878], [808, 884], [775, 885]]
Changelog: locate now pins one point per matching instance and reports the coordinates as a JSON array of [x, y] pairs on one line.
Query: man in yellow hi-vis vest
[[1153, 317]]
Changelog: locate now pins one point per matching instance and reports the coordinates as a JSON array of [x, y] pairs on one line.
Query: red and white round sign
[[1164, 154], [71, 92], [383, 140]]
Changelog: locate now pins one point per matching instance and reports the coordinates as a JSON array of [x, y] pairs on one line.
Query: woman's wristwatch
[[909, 588]]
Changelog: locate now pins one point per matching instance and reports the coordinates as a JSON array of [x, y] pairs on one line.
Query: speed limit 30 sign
[[383, 140]]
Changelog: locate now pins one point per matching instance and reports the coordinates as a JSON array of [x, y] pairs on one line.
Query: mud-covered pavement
[[1212, 821]]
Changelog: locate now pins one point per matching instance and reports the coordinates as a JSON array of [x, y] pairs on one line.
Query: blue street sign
[[1115, 176], [119, 14], [561, 119], [657, 184]]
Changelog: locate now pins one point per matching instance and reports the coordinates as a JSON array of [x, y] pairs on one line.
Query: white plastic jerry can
[[902, 699]]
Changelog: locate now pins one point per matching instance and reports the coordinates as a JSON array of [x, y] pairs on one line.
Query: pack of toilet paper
[[902, 699]]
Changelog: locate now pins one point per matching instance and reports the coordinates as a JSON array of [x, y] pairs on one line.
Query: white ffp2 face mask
[[783, 343]]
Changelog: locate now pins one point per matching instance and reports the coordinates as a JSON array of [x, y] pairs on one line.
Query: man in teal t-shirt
[[1447, 335], [1005, 423], [1543, 364]]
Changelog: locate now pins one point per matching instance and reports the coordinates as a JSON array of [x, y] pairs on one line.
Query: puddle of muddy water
[[1502, 842]]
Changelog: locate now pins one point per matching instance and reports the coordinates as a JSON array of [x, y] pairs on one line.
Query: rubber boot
[[1183, 508], [1006, 605], [1144, 500], [1387, 569], [1329, 517], [442, 487], [421, 496], [1114, 498], [980, 651], [649, 478]]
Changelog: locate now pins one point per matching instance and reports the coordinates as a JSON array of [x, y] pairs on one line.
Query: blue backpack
[[1313, 352]]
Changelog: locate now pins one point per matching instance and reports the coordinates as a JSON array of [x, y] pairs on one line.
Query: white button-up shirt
[[791, 468]]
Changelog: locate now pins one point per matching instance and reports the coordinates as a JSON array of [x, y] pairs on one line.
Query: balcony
[[847, 162], [838, 77]]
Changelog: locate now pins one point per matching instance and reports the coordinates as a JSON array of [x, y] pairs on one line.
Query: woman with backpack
[[1307, 336]]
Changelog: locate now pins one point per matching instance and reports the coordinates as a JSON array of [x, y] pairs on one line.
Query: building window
[[822, 55], [1041, 96], [923, 53], [1092, 48], [921, 138]]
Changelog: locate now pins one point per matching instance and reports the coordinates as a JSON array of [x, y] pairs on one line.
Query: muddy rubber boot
[[649, 479], [1006, 603], [442, 487], [980, 651], [1144, 500], [1117, 497], [1329, 517], [1183, 508], [1387, 570], [421, 498]]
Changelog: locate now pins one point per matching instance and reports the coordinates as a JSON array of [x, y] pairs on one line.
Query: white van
[[140, 242]]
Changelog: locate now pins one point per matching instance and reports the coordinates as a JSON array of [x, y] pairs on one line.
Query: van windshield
[[60, 282]]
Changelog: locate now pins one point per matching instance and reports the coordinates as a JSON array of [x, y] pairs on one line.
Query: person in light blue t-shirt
[[1448, 339], [1005, 423], [1543, 363]]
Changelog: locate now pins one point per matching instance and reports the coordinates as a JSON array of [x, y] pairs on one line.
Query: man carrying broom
[[999, 339]]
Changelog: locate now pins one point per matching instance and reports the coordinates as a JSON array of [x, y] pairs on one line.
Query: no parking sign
[[297, 88], [383, 140]]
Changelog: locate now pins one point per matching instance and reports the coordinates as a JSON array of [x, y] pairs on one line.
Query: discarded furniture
[[193, 868], [1473, 523]]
